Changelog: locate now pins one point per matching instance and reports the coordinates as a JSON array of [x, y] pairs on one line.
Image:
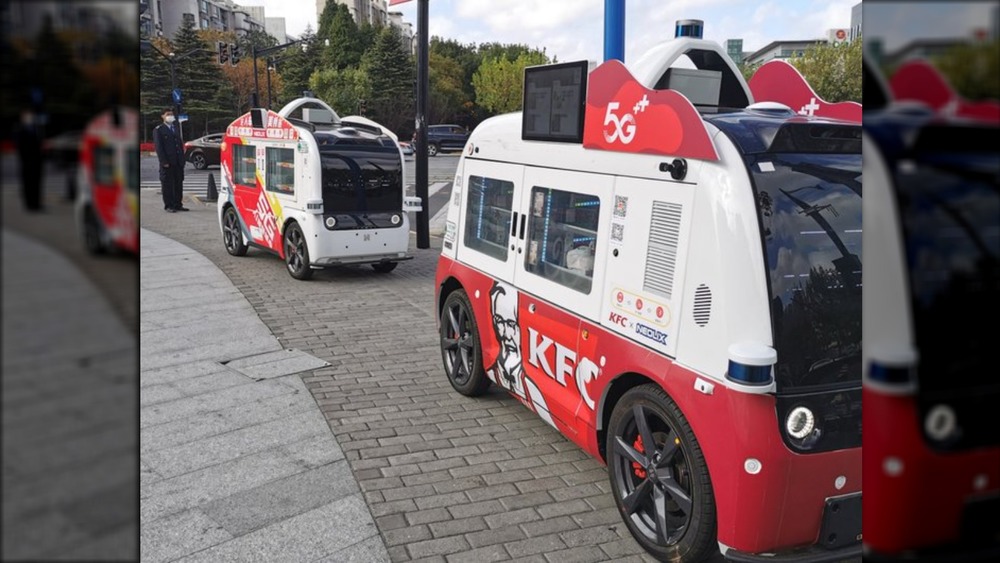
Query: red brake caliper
[[639, 470]]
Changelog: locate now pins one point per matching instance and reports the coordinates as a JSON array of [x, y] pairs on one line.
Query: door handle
[[522, 226], [513, 227]]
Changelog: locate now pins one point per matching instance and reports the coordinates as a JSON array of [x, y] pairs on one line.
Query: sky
[[574, 29]]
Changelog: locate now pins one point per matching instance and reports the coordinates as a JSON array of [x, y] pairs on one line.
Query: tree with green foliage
[[200, 79], [348, 43], [448, 97], [392, 73], [343, 89], [972, 69], [499, 82], [833, 70], [298, 64]]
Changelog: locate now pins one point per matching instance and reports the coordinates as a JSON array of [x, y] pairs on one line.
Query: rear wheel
[[297, 253], [659, 478], [432, 149], [92, 237], [385, 267], [460, 349], [232, 233]]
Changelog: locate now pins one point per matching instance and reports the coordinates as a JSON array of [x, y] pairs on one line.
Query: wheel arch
[[613, 392], [447, 287]]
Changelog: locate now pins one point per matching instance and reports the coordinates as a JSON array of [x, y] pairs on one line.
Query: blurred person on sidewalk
[[170, 152], [29, 151]]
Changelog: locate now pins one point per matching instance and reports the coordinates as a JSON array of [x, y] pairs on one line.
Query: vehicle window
[[281, 170], [132, 173], [104, 165], [810, 213], [245, 165], [562, 236], [488, 210]]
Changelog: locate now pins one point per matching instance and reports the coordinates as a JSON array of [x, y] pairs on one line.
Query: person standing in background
[[170, 152], [29, 152]]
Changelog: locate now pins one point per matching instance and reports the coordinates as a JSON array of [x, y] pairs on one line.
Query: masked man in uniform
[[170, 152]]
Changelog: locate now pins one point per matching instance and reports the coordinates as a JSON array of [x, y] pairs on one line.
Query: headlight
[[800, 423], [331, 222], [396, 219]]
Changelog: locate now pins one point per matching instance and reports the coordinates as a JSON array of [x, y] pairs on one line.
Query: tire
[[297, 253], [669, 511], [460, 348], [199, 161], [92, 238], [433, 149], [232, 233], [385, 267]]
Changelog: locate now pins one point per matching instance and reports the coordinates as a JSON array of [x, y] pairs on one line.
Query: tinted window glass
[[132, 174], [104, 166], [562, 236], [361, 179], [810, 214], [487, 215]]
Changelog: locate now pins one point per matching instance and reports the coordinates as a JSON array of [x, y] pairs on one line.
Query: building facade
[[165, 17], [406, 34], [781, 50], [375, 12], [855, 31], [734, 48], [275, 27]]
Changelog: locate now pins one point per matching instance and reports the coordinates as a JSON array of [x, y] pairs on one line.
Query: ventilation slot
[[661, 258], [702, 305]]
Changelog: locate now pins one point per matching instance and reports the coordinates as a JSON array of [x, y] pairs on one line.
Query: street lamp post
[[270, 67]]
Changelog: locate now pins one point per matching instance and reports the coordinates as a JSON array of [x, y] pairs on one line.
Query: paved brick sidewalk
[[446, 477], [237, 463]]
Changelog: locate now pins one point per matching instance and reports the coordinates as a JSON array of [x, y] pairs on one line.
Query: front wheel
[[659, 477], [232, 233], [297, 253], [199, 161], [432, 149], [92, 236], [460, 349]]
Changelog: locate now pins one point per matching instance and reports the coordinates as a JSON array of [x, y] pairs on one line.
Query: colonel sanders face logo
[[507, 371]]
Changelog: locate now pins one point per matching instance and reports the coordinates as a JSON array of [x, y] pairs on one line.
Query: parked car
[[204, 152], [407, 148], [63, 149], [442, 138]]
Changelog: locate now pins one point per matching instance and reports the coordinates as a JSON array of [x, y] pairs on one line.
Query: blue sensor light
[[890, 375], [689, 28], [749, 375]]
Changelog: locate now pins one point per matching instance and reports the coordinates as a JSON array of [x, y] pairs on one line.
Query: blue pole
[[614, 30]]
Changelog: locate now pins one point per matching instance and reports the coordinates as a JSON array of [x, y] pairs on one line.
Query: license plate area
[[841, 522]]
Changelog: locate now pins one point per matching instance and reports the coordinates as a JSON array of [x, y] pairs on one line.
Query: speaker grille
[[702, 305], [661, 258]]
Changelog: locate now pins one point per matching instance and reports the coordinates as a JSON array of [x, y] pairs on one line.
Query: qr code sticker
[[617, 231], [621, 206]]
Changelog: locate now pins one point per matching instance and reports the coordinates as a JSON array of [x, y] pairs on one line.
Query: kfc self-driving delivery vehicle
[[314, 189], [670, 275], [932, 233], [106, 206]]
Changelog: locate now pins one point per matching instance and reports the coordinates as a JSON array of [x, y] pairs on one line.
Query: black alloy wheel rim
[[294, 251], [656, 493], [231, 232], [457, 343]]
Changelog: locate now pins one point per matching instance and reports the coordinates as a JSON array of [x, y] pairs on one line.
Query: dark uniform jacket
[[169, 148]]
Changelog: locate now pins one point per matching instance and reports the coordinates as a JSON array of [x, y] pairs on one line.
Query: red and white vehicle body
[[706, 255], [106, 204], [932, 232], [314, 189]]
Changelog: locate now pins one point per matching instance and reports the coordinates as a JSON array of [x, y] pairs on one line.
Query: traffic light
[[223, 53], [234, 53]]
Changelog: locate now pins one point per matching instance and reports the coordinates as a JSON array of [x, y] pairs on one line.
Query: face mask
[[170, 119]]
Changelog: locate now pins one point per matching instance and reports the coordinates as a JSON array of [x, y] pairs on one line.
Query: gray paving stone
[[178, 535], [321, 532], [276, 364], [277, 500]]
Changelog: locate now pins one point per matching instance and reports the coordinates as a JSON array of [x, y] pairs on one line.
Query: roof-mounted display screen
[[554, 101]]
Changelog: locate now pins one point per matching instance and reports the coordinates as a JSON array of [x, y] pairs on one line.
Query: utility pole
[[614, 30], [423, 216]]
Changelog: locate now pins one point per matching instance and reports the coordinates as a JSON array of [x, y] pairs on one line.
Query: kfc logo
[[564, 363]]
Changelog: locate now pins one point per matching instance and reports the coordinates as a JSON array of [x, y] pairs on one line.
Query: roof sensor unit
[[689, 28]]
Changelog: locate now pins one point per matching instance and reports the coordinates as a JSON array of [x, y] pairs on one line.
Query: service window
[[488, 211], [132, 169], [562, 237], [245, 165], [104, 165], [281, 170]]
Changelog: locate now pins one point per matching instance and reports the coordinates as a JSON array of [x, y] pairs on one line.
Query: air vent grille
[[661, 258], [702, 305]]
